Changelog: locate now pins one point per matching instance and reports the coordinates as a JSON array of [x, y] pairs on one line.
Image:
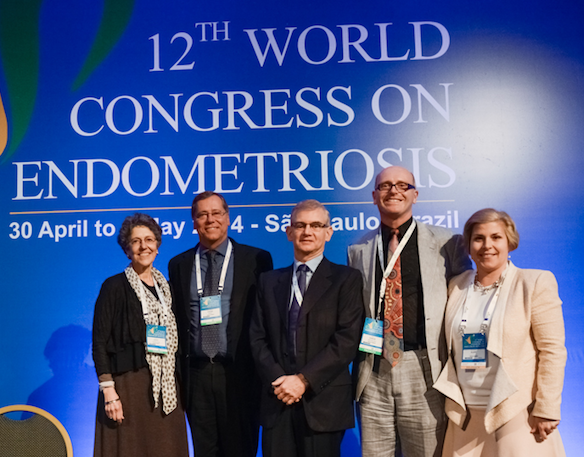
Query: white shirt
[[475, 384]]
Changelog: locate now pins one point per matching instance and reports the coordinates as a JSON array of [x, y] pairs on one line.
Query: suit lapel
[[504, 386], [186, 270], [369, 257], [457, 298], [240, 277], [319, 284], [429, 259], [497, 328], [362, 256], [238, 299], [282, 292]]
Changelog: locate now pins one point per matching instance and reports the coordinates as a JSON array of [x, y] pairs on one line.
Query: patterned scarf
[[161, 365]]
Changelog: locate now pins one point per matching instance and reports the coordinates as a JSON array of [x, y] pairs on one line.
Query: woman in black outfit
[[139, 412]]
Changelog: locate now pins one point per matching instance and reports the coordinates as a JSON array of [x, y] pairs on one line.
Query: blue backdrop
[[112, 107]]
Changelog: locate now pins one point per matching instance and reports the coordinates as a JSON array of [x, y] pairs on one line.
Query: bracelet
[[112, 401], [104, 384]]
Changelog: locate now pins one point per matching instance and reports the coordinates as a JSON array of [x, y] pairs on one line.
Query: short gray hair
[[310, 205], [138, 220]]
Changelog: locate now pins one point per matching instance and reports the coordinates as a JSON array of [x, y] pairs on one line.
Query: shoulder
[[439, 233], [274, 275], [462, 279], [114, 288], [364, 240], [270, 279], [177, 259], [249, 250], [459, 282], [341, 272], [538, 288], [447, 244], [534, 276], [255, 259], [114, 282]]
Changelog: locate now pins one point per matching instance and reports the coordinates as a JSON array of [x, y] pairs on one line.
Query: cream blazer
[[527, 334]]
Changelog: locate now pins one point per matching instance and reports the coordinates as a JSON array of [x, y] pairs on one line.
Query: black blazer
[[329, 330], [248, 263]]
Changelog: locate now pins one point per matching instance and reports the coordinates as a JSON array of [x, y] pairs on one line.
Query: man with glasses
[[406, 266], [214, 289], [304, 334]]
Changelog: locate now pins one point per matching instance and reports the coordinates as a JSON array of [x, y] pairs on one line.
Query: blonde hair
[[486, 215]]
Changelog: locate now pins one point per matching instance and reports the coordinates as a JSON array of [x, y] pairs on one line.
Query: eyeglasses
[[214, 214], [401, 187], [312, 225], [149, 241]]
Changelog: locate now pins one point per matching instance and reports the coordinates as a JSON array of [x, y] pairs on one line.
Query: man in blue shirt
[[214, 287]]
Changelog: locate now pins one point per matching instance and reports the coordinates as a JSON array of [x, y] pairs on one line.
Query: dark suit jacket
[[248, 263], [329, 329]]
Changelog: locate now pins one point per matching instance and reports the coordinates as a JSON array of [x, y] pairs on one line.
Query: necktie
[[393, 332], [210, 333], [294, 310]]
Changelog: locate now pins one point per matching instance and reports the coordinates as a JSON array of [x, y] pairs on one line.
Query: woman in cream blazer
[[520, 406]]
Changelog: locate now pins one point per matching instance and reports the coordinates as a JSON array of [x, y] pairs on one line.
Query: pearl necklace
[[484, 289]]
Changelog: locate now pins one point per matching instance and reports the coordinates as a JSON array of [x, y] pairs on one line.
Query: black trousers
[[292, 437], [223, 422]]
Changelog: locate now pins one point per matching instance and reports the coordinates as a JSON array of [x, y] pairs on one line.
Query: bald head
[[390, 170], [394, 204]]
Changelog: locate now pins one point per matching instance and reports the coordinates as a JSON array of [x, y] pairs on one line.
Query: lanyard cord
[[392, 261], [223, 269]]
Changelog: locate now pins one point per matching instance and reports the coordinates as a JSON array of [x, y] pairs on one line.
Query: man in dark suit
[[214, 289], [305, 332]]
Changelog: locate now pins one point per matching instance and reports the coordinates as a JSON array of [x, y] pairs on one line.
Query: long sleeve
[[119, 331], [547, 325]]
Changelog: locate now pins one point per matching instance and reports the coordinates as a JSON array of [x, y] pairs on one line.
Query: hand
[[541, 428], [113, 410], [289, 389]]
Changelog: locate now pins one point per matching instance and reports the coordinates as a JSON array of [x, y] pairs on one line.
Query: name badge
[[211, 310], [474, 351], [372, 337], [156, 339]]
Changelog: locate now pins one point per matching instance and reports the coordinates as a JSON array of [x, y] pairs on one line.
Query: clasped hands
[[290, 388]]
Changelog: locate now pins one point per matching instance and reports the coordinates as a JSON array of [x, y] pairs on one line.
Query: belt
[[407, 347], [199, 362]]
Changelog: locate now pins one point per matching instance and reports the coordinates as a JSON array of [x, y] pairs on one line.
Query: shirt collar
[[221, 249], [312, 264], [402, 229]]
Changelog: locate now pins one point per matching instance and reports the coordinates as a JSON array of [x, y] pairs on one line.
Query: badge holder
[[474, 351], [372, 337], [156, 339], [211, 310], [210, 306]]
